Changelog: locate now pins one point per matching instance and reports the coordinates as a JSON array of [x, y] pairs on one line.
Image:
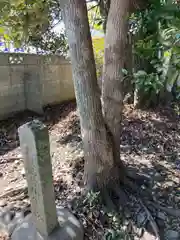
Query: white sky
[[60, 27]]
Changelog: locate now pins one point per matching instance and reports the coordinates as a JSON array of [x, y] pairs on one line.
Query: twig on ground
[[9, 159], [13, 192]]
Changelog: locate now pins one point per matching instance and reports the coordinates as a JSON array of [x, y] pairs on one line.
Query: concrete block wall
[[57, 76], [12, 97], [30, 82]]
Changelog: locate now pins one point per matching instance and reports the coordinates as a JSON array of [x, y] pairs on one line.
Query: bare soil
[[150, 144]]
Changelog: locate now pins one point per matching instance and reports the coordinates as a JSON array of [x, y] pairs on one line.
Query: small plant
[[148, 83], [95, 214], [93, 198], [115, 235], [177, 109], [116, 232]]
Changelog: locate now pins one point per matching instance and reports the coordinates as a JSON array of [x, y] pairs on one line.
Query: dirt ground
[[150, 144]]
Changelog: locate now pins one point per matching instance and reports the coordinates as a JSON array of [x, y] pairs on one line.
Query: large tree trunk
[[100, 125], [97, 148], [114, 61]]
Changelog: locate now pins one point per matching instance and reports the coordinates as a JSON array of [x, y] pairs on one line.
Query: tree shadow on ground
[[8, 130], [52, 115], [150, 144]]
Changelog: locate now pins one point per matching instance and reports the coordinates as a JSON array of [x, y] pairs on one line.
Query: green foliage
[[115, 230], [177, 109], [20, 19], [148, 82], [95, 18], [92, 198], [30, 22], [51, 42], [157, 42], [173, 56]]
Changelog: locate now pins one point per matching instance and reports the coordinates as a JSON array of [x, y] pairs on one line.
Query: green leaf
[[124, 71], [6, 37], [1, 31]]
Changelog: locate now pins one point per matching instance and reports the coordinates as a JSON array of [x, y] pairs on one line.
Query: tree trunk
[[100, 125], [114, 61], [97, 148]]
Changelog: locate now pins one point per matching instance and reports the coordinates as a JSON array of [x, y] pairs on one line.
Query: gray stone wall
[[29, 81]]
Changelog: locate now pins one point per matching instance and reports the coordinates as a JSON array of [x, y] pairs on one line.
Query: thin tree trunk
[[98, 150], [114, 61]]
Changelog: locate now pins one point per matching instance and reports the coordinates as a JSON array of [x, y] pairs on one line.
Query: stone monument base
[[69, 228]]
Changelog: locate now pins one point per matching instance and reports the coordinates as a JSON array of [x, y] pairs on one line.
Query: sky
[[94, 33]]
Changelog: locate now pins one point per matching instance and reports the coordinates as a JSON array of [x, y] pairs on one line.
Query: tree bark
[[100, 123], [97, 147], [114, 61]]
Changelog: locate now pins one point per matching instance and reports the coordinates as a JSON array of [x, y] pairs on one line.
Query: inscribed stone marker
[[34, 142]]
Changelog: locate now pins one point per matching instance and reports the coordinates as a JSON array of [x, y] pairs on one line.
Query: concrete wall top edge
[[31, 59]]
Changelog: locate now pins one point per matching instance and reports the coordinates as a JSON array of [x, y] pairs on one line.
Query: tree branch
[[94, 6]]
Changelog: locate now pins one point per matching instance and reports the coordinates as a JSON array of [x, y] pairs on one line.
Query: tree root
[[117, 195], [109, 202], [151, 220], [134, 187], [140, 179], [123, 198], [171, 211]]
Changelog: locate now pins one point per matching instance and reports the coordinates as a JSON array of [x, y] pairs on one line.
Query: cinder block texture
[[29, 82]]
